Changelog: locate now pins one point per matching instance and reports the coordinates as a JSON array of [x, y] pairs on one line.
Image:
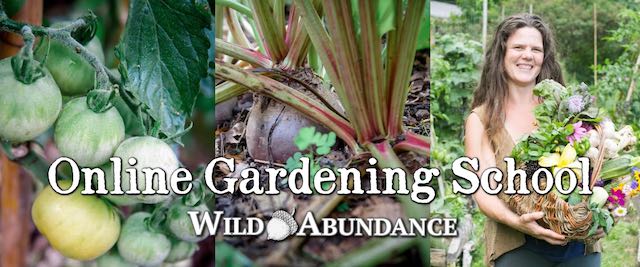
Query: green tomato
[[112, 259], [149, 152], [139, 245], [120, 200], [179, 222], [87, 137], [180, 251], [72, 73], [81, 227], [26, 110]]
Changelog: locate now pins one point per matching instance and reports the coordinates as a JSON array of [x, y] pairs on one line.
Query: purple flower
[[579, 131], [599, 183], [617, 197], [575, 103], [634, 184]]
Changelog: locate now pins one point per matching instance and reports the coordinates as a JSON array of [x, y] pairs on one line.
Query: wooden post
[[595, 45], [632, 86], [485, 11], [15, 187]]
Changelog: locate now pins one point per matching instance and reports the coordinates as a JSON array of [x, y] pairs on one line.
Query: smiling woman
[[524, 55], [521, 55]]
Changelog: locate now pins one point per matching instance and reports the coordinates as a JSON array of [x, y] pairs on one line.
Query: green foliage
[[555, 120], [621, 243], [423, 32], [455, 73], [454, 64], [308, 137], [572, 23], [451, 205], [601, 218], [306, 140], [615, 77], [548, 138], [163, 71]]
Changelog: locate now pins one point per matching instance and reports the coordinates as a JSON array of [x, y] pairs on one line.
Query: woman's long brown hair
[[492, 91]]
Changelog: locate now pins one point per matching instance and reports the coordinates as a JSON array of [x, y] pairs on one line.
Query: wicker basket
[[573, 221]]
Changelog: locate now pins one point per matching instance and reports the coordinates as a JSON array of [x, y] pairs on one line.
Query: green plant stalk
[[235, 28], [374, 252], [297, 41], [292, 98], [414, 142], [383, 152], [391, 54], [293, 22], [254, 58], [219, 21], [341, 27], [272, 37], [314, 60], [372, 74], [228, 90], [279, 16], [402, 70], [298, 50], [324, 48], [235, 5]]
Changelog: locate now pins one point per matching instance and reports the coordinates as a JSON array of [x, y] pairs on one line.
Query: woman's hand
[[527, 224], [599, 234]]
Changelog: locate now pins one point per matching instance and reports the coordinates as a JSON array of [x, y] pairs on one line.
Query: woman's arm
[[477, 145]]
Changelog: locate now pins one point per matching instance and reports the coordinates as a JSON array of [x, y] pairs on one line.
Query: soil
[[231, 143]]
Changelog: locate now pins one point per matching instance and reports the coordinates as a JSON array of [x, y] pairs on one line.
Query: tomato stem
[[26, 69], [63, 35]]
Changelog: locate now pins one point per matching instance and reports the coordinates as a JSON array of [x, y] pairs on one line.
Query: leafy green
[[308, 137], [555, 116], [164, 49], [601, 218], [423, 33]]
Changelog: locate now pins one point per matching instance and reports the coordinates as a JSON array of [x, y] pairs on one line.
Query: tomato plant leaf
[[164, 48]]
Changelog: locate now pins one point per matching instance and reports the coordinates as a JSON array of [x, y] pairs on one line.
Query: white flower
[[620, 212], [626, 189]]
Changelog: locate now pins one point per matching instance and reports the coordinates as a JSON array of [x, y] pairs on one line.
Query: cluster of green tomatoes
[[88, 227]]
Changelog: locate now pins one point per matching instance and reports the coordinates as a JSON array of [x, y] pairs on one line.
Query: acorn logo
[[281, 225]]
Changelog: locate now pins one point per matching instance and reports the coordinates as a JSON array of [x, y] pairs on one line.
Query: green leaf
[[305, 137], [423, 32], [343, 207], [164, 47], [294, 162], [385, 16], [609, 222]]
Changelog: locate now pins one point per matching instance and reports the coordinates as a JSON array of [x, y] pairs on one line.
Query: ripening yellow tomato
[[81, 227]]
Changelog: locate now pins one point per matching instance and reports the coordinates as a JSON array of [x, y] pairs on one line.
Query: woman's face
[[523, 57]]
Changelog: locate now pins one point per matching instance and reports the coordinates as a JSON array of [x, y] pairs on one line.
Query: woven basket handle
[[598, 164]]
